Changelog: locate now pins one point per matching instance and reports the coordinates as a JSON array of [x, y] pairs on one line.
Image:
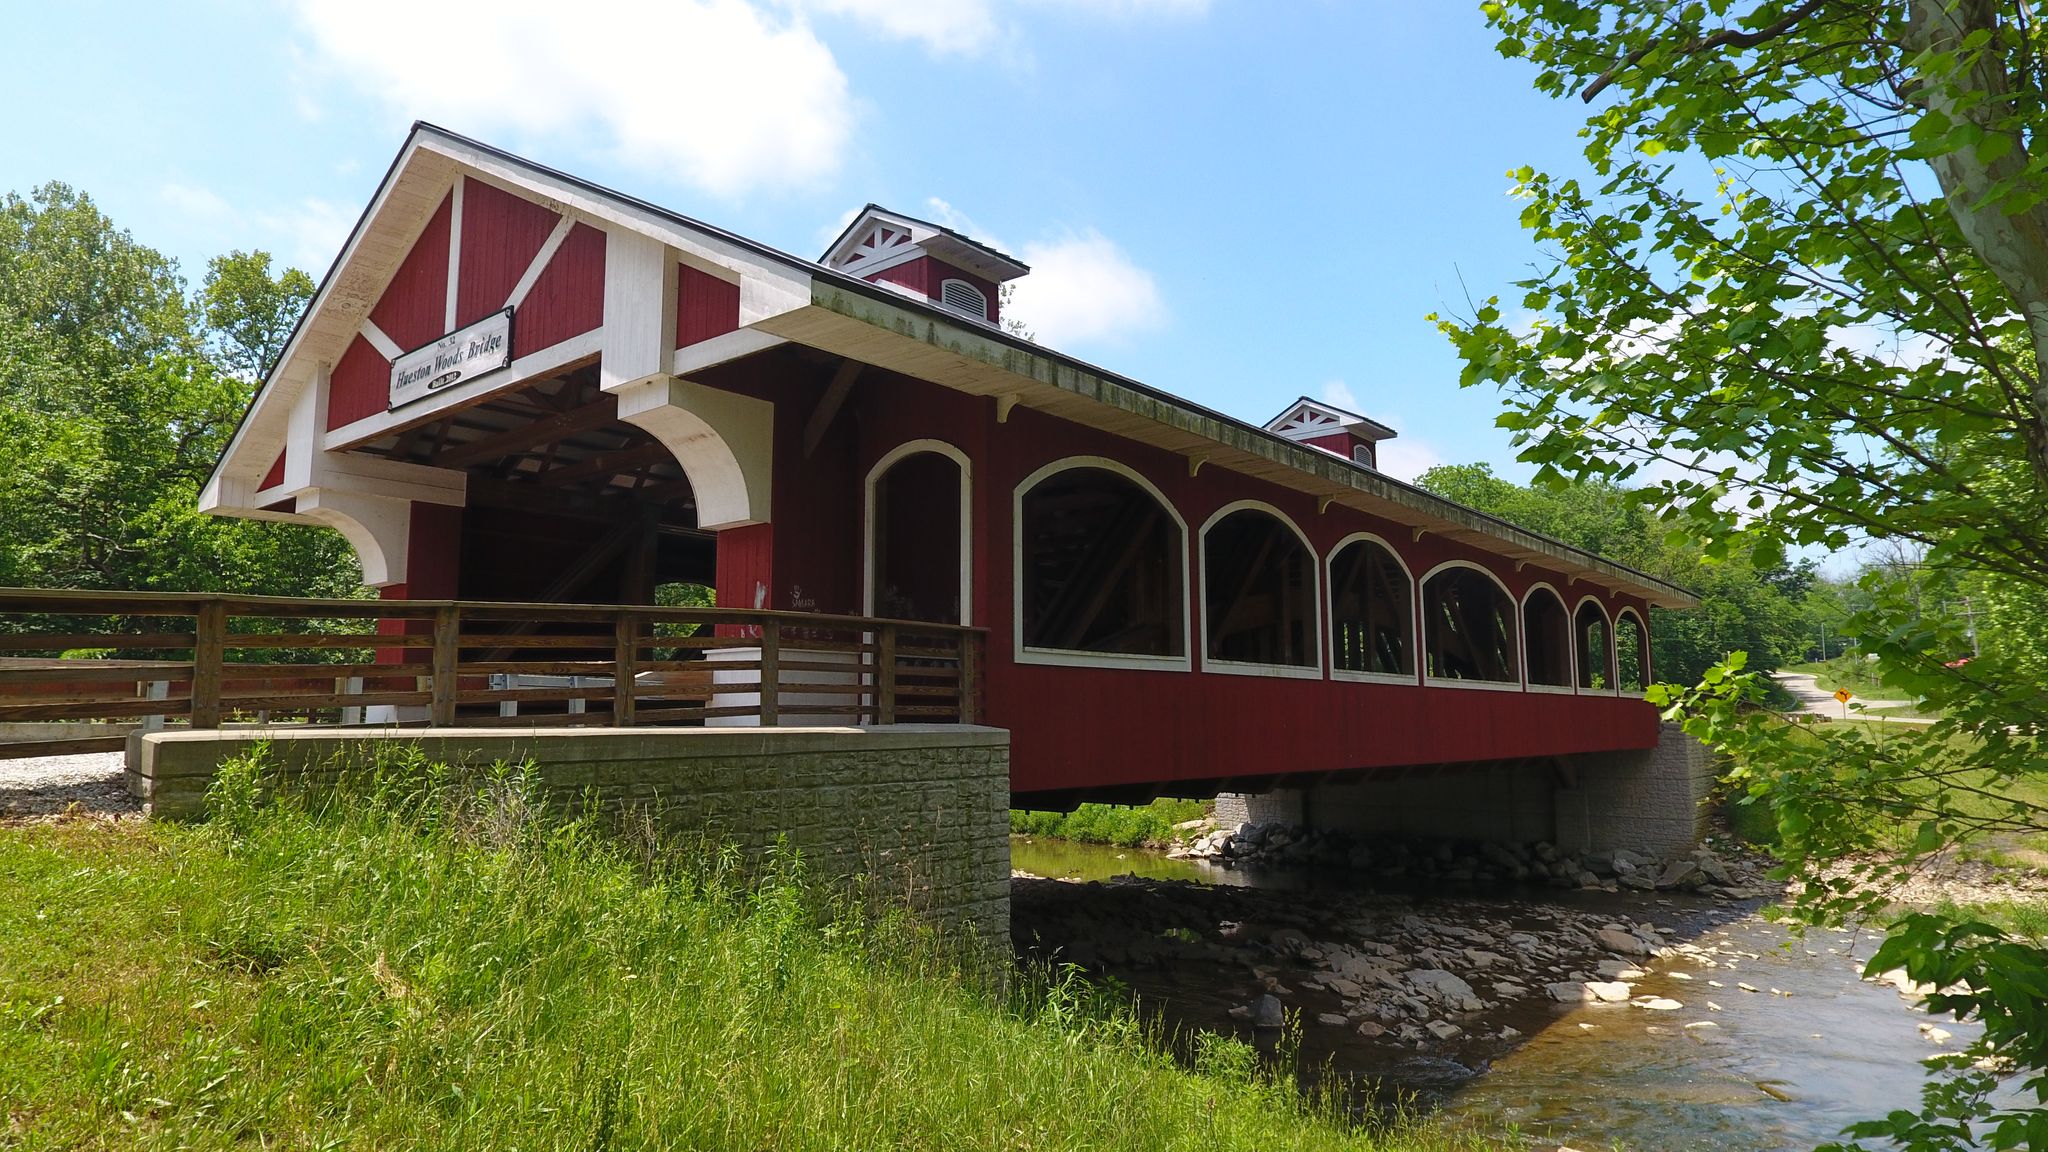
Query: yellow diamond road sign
[[1843, 694]]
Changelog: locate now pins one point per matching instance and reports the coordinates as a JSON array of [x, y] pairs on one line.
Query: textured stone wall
[[1651, 801], [920, 810]]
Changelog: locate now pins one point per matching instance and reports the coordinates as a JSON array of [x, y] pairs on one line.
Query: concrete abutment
[[917, 813], [1649, 800]]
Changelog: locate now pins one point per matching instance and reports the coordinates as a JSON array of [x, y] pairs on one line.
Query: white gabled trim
[[1571, 660], [874, 477], [385, 345], [1414, 610], [1515, 646], [1311, 671], [1610, 672], [540, 261], [1065, 657], [454, 253], [723, 348]]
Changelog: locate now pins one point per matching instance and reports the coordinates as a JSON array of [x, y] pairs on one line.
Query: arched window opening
[[1259, 588], [1100, 567], [1547, 631], [1468, 627], [919, 542], [1596, 648], [1372, 611], [1631, 652]]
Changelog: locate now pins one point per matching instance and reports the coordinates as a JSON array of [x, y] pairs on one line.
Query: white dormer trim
[[879, 245], [1307, 419]]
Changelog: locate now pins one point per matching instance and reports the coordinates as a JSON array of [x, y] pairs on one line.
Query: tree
[[117, 394], [251, 313], [1808, 280], [1762, 611]]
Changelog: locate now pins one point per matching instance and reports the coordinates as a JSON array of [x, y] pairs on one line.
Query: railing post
[[771, 674], [970, 676], [885, 675], [156, 690], [351, 714], [209, 652], [625, 667], [447, 642]]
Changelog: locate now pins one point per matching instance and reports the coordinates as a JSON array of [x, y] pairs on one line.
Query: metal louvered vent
[[1363, 454], [964, 297]]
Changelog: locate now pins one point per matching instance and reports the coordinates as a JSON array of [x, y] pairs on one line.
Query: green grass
[[1120, 824], [441, 969]]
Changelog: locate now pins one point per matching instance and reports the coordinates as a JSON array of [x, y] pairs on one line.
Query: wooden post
[[970, 676], [209, 651], [885, 675], [625, 666], [447, 647], [771, 674]]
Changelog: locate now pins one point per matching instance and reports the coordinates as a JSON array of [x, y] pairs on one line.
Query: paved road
[[1812, 700]]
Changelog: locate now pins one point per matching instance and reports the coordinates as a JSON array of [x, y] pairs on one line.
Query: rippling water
[[1764, 1071]]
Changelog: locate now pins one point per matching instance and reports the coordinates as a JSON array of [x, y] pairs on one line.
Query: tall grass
[[1121, 824], [432, 965]]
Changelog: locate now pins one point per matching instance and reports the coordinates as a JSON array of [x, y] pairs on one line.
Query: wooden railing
[[207, 660]]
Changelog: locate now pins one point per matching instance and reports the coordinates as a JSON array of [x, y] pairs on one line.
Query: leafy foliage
[[117, 394], [1804, 294]]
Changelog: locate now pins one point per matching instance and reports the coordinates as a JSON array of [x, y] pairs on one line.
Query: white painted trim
[[1374, 678], [1642, 656], [1611, 672], [1242, 667], [540, 262], [867, 532], [1571, 658], [522, 370], [385, 345], [454, 252], [1555, 689], [1414, 610], [1422, 657], [723, 349], [1065, 657], [897, 259]]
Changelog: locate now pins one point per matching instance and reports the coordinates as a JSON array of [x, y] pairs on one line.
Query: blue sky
[[1237, 202]]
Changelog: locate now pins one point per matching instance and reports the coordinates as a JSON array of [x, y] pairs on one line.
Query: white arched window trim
[[1067, 657], [1643, 652], [1422, 631], [1571, 641], [1414, 610], [1611, 673], [1313, 671], [875, 474]]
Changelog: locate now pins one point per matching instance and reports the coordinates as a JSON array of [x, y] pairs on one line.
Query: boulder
[[1444, 1030], [1681, 874], [1616, 940], [1607, 991], [1331, 1020], [1567, 991], [1267, 1013]]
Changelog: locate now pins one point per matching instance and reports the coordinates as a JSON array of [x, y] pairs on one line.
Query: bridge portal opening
[[1595, 647], [1372, 611], [1547, 630], [1468, 627], [1101, 567]]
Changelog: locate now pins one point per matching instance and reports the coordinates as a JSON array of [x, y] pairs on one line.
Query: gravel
[[50, 785]]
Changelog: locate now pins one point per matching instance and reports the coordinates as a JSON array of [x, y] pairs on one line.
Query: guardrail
[[209, 660]]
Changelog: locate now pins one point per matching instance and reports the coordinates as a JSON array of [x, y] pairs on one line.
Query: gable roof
[[1345, 419], [812, 303], [946, 243]]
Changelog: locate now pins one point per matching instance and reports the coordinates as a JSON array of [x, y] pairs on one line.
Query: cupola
[[1333, 430], [926, 260]]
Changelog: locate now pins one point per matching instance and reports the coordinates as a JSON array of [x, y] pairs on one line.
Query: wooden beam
[[596, 414], [607, 464], [829, 404]]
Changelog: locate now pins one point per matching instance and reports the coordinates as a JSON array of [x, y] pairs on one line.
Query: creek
[[1812, 1049]]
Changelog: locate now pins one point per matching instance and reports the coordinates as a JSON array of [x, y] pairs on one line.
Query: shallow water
[[1764, 1071]]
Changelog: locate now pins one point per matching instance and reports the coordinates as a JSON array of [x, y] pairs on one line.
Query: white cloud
[[1405, 458], [715, 93], [1083, 288], [969, 27], [309, 234], [194, 201], [1339, 394]]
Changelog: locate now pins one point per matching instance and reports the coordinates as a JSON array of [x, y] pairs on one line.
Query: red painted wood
[[746, 575], [568, 299], [927, 274], [912, 274], [359, 386], [501, 234], [414, 308], [706, 306], [275, 476]]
